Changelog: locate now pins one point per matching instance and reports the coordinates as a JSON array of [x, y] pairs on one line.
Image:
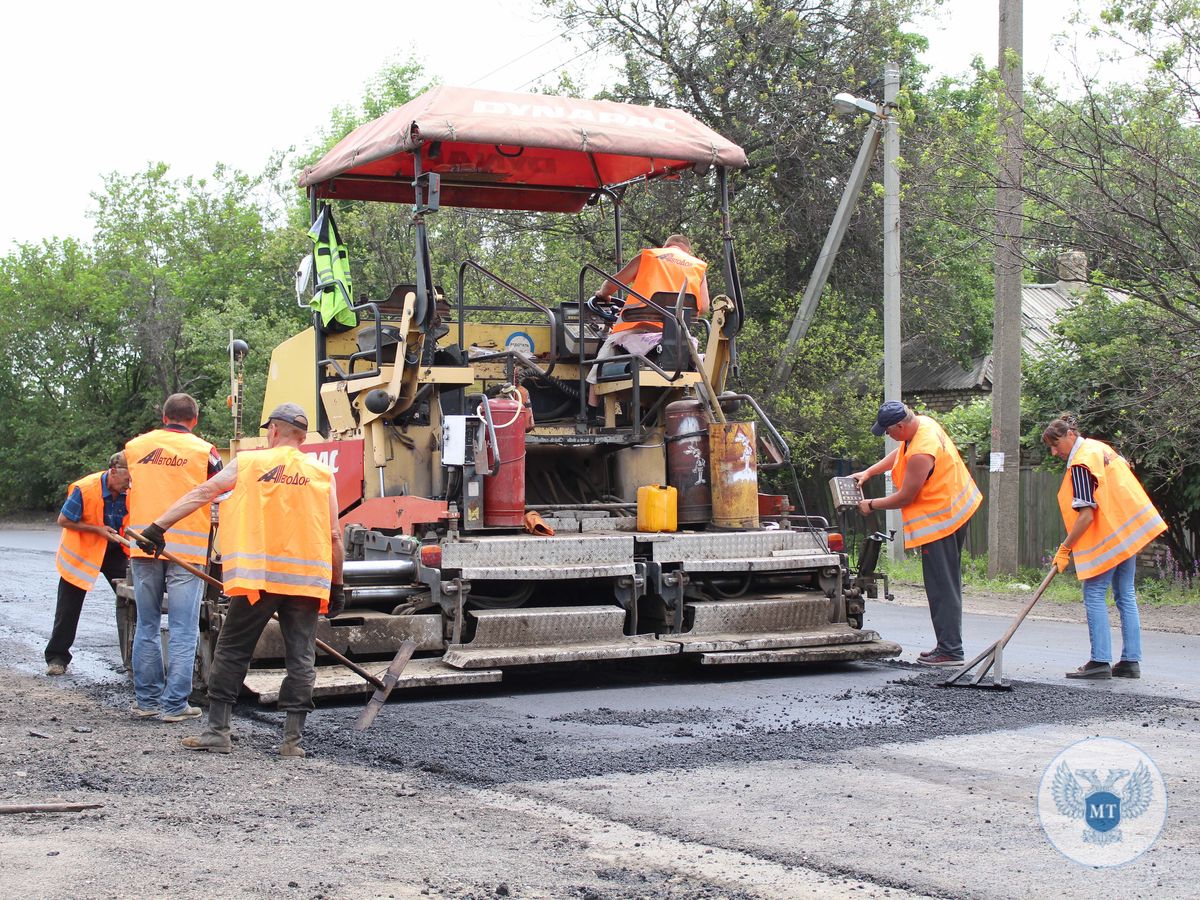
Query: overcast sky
[[102, 87]]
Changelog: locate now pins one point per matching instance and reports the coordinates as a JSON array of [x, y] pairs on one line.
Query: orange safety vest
[[164, 465], [81, 553], [276, 522], [663, 269], [1125, 519], [947, 499]]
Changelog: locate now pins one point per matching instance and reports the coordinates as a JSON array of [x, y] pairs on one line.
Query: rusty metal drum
[[733, 451], [687, 460]]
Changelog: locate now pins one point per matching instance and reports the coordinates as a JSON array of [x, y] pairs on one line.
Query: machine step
[[335, 681], [872, 649], [362, 632], [514, 637]]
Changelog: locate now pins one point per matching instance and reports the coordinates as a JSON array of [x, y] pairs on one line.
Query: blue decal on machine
[[521, 342]]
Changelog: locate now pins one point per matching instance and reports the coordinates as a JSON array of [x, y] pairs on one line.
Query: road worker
[[1108, 518], [936, 497], [638, 329], [281, 554], [92, 521], [164, 464]]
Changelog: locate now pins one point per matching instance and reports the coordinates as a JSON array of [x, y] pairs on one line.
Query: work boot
[[1092, 669], [292, 731], [1127, 668], [215, 736]]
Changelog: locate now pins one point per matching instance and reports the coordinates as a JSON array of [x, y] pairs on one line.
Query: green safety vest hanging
[[333, 293]]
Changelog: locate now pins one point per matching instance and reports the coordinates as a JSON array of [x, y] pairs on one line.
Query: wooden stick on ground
[[47, 807]]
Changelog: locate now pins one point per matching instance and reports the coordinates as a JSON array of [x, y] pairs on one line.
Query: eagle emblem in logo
[[1101, 801]]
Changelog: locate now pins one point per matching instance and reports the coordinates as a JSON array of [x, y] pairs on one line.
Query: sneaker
[[139, 713], [1127, 668], [188, 712], [925, 654], [56, 669], [940, 659], [1092, 669]]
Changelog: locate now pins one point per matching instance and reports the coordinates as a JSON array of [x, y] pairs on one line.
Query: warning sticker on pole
[[997, 462]]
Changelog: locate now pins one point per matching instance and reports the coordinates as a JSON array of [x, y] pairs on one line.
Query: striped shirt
[[1083, 488]]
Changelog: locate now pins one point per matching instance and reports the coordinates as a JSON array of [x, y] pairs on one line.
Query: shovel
[[383, 688], [993, 657]]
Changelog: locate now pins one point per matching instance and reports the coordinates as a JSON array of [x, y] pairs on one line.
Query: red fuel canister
[[504, 489]]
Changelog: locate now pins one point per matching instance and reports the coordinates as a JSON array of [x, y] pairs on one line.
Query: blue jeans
[[1095, 590], [153, 688]]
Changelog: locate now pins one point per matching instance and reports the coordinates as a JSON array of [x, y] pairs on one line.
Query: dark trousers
[[239, 634], [941, 568], [70, 605]]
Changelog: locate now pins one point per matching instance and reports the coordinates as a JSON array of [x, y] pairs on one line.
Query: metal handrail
[[515, 291], [679, 336], [361, 354]]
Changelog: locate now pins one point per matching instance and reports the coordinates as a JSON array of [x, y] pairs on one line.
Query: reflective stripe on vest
[[947, 499], [664, 269], [164, 465], [332, 268], [277, 518], [1125, 519], [81, 553]]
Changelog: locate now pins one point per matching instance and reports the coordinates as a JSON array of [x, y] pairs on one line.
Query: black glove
[[337, 600], [152, 540]]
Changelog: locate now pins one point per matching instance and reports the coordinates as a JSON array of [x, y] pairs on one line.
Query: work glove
[[152, 540], [1062, 558], [337, 600]]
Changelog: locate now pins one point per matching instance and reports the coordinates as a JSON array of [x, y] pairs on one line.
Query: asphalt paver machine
[[490, 515]]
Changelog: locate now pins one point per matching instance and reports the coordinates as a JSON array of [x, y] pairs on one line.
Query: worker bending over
[[92, 520], [281, 554]]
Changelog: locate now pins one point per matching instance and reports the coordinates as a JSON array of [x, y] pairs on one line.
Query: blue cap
[[890, 413]]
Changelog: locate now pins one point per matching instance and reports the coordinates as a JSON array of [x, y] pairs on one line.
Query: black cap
[[890, 414]]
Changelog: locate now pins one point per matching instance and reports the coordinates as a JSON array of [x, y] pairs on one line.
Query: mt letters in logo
[[1102, 802]]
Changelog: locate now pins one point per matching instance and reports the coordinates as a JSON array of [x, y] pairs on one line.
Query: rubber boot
[[215, 737], [292, 731]]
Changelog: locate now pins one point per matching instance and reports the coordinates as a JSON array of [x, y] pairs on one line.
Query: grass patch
[[1066, 588]]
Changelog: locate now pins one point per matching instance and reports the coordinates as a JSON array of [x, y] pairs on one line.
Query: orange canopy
[[501, 150]]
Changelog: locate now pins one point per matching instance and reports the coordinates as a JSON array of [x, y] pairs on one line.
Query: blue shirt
[[114, 506]]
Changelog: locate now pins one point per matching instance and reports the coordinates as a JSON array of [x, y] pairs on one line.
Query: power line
[[514, 60], [555, 68]]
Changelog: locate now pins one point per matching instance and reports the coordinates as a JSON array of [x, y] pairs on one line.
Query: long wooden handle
[[321, 645]]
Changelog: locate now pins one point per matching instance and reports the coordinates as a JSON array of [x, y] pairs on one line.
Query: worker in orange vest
[[1109, 519], [165, 463], [92, 521], [637, 329], [936, 497], [281, 554]]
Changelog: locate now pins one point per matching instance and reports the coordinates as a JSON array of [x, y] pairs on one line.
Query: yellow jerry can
[[657, 508]]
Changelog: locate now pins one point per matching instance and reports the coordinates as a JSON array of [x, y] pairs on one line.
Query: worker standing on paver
[[92, 520], [281, 554], [1109, 519], [164, 464], [936, 497]]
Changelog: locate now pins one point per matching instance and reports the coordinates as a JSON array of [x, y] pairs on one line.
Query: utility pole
[[1004, 490], [891, 273]]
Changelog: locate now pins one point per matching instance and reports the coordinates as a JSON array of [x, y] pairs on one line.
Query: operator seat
[[671, 351]]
